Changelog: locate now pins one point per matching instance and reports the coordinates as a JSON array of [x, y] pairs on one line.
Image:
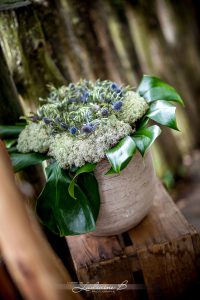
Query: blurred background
[[59, 41]]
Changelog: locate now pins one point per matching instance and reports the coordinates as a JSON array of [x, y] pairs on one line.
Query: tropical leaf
[[120, 155], [145, 137], [10, 131], [23, 160], [89, 185], [12, 150], [152, 89], [88, 167], [164, 113], [61, 213], [142, 122]]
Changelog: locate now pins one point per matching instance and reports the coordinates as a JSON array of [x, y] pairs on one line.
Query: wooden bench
[[162, 252], [160, 258]]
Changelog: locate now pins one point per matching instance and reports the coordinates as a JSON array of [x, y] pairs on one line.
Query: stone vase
[[126, 198]]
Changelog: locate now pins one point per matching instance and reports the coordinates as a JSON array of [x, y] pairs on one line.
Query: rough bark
[[10, 107], [28, 57]]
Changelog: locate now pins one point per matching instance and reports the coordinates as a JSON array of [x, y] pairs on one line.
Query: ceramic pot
[[126, 198]]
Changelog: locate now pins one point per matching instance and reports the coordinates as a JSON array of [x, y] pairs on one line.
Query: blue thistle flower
[[71, 100], [118, 91], [73, 130], [34, 118], [88, 128], [84, 97], [102, 97], [71, 85], [47, 120], [113, 86], [64, 126], [104, 112], [117, 105]]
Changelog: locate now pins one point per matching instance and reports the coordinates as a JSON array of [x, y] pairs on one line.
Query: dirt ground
[[187, 191]]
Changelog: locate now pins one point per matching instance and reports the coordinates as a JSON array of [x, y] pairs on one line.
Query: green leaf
[[120, 155], [9, 131], [110, 172], [164, 113], [152, 89], [58, 211], [145, 137], [88, 167], [23, 160], [89, 185], [142, 122], [12, 150], [10, 143]]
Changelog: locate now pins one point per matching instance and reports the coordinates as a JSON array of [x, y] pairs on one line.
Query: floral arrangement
[[74, 129]]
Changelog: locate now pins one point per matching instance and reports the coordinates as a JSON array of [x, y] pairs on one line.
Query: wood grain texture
[[87, 249], [164, 222], [169, 269], [163, 252]]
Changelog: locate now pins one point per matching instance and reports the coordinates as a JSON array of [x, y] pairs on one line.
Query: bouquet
[[75, 128]]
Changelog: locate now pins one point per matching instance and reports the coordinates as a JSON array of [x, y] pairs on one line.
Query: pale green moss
[[134, 107], [70, 151], [35, 137]]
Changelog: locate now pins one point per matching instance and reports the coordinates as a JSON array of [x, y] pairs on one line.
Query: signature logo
[[99, 287]]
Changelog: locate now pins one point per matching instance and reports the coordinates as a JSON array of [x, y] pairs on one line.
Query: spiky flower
[[117, 105]]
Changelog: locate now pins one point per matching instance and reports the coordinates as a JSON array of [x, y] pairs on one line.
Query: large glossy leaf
[[120, 155], [142, 123], [164, 113], [89, 185], [145, 137], [58, 211], [88, 167], [12, 150], [23, 160], [152, 89], [9, 131]]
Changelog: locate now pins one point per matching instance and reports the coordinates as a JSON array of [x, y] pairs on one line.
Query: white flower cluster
[[34, 137], [134, 107], [70, 151]]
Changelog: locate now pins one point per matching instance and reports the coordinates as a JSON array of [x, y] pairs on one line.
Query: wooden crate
[[161, 255]]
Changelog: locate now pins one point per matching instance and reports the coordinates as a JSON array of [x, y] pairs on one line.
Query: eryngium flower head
[[104, 112], [87, 128], [117, 105]]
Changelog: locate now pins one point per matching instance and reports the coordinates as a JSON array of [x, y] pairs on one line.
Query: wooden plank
[[164, 223], [169, 270], [87, 249], [167, 248], [101, 259]]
